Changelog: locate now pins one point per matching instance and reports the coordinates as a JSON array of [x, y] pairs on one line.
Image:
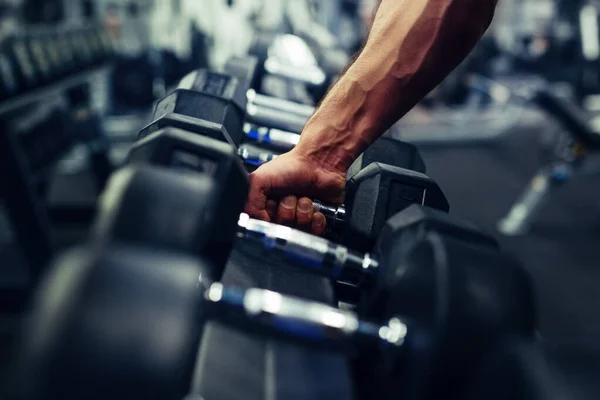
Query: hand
[[282, 190]]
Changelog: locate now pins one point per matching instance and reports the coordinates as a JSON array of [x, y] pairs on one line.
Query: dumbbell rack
[[29, 216]]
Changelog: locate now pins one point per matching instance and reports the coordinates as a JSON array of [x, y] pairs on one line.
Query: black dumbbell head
[[180, 149], [379, 191], [208, 96], [399, 235], [389, 151], [419, 220], [449, 276], [472, 295], [184, 151], [114, 323], [169, 209], [198, 126]]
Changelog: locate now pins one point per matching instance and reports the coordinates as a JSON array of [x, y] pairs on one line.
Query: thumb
[[256, 206]]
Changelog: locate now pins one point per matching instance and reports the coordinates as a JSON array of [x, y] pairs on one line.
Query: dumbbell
[[208, 223], [373, 194], [81, 48], [376, 275], [206, 103], [260, 100], [247, 69], [124, 321], [270, 138], [266, 110], [212, 104], [279, 118], [254, 157], [171, 210]]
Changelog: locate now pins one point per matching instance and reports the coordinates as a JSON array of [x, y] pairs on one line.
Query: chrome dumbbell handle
[[272, 314], [325, 257]]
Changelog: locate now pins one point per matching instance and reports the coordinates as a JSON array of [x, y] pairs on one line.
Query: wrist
[[320, 147]]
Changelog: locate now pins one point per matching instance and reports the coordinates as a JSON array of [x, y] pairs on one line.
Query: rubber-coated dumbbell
[[122, 322], [283, 117], [206, 103], [212, 97], [262, 101], [165, 209], [372, 195], [266, 110], [253, 157], [271, 138], [262, 109], [378, 274], [209, 223]]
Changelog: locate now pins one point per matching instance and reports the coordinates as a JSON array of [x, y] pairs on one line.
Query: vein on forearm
[[413, 45]]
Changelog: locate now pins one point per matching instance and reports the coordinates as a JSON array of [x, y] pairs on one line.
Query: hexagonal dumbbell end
[[378, 192], [208, 96], [389, 151]]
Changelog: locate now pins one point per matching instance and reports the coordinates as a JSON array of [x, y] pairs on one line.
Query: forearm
[[412, 46]]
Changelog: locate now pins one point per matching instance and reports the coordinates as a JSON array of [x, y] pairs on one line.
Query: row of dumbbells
[[124, 315], [213, 105], [31, 60]]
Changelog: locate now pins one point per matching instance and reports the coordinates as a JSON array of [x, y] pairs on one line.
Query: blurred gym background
[[506, 160]]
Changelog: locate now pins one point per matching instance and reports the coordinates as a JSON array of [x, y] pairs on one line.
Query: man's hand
[[276, 186]]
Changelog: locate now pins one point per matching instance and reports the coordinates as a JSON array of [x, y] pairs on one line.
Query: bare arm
[[412, 46]]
